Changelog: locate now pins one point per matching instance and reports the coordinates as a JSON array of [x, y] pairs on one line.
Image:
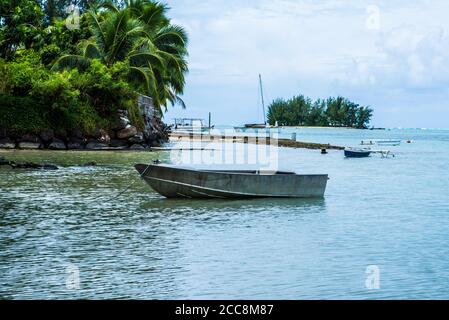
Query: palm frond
[[144, 77], [109, 5], [97, 29], [71, 62], [172, 35], [146, 58], [91, 51]]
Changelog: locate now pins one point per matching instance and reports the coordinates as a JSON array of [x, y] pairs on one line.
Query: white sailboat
[[259, 125]]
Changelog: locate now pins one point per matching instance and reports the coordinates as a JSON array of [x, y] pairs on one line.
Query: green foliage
[[53, 77], [21, 114], [302, 111], [20, 26], [141, 35], [66, 99], [104, 88], [54, 9]]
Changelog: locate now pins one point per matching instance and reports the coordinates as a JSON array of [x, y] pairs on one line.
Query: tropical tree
[[20, 22], [58, 9], [300, 111], [141, 35], [363, 116]]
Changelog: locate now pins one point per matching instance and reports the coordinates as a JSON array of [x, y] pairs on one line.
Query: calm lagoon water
[[392, 213]]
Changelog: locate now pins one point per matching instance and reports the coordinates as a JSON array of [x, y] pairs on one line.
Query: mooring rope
[[132, 183]]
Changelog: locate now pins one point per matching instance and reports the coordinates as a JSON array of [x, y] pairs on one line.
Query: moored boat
[[190, 124], [256, 125], [357, 153], [179, 182], [389, 142]]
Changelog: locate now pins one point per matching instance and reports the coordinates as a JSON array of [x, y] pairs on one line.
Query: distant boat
[[179, 182], [259, 125], [389, 142], [367, 142], [256, 126], [190, 124], [357, 152]]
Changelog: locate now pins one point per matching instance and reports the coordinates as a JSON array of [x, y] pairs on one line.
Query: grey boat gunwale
[[172, 181]]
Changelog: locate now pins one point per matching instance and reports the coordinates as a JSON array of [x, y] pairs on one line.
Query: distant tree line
[[330, 112]]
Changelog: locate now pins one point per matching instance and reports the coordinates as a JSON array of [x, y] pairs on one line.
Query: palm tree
[[141, 34], [167, 41]]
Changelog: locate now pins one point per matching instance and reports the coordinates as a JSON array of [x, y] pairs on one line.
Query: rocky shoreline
[[122, 136], [34, 165]]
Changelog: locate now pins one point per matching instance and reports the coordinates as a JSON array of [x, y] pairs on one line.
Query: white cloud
[[410, 58], [317, 48]]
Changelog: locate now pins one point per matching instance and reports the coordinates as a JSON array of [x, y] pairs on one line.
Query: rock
[[96, 145], [47, 135], [3, 161], [30, 145], [76, 133], [104, 136], [126, 133], [116, 143], [121, 120], [31, 165], [90, 164], [7, 143], [30, 138], [137, 146], [57, 144], [49, 167], [75, 144], [61, 134], [112, 134], [138, 138]]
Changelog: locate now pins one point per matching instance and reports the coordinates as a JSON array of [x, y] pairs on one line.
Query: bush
[[105, 90], [63, 100], [21, 114]]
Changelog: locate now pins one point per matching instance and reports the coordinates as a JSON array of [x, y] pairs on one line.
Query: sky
[[390, 55]]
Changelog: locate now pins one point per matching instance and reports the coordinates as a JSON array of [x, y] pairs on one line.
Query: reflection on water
[[247, 205], [129, 242]]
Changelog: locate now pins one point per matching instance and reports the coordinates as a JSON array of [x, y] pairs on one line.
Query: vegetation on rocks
[[79, 79]]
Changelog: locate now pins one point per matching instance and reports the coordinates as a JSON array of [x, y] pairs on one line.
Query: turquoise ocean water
[[389, 213]]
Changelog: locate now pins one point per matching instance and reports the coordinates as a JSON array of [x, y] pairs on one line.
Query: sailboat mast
[[263, 102]]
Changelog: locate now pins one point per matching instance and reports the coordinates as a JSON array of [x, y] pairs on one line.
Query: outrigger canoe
[[180, 182]]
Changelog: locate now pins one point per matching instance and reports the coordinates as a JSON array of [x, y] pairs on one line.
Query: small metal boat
[[357, 153], [178, 182]]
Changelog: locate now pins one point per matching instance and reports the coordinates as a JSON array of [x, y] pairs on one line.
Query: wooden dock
[[206, 137]]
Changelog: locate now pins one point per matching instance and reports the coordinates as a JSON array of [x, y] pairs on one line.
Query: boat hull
[[389, 143], [187, 183], [357, 154]]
